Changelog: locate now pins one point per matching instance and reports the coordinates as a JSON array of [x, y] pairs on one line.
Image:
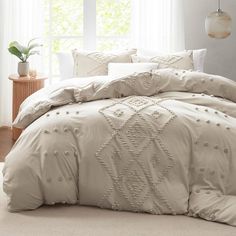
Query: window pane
[[113, 17], [66, 17], [66, 44], [109, 44]]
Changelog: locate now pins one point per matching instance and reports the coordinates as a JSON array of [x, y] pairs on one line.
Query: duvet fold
[[104, 87], [160, 142]]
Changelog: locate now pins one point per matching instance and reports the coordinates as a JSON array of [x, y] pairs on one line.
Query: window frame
[[89, 37]]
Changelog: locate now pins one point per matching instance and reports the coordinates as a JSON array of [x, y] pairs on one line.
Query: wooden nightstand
[[22, 88]]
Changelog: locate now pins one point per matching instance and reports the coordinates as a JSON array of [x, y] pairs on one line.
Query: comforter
[[160, 142]]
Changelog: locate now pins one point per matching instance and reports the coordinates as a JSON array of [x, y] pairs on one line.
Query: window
[[87, 24]]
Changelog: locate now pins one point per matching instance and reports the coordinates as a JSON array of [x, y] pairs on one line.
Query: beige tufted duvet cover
[[161, 142]]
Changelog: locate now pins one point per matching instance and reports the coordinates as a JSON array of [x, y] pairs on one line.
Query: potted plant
[[23, 53]]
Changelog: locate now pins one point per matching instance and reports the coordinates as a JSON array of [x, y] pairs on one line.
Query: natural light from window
[[70, 24]]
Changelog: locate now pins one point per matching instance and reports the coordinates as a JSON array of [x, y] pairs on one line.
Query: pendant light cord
[[219, 7], [219, 4]]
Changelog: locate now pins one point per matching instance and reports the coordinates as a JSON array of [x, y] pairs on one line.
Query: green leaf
[[13, 50], [20, 48], [22, 52], [35, 45], [33, 39]]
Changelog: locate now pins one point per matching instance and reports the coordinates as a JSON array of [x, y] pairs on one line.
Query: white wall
[[221, 57]]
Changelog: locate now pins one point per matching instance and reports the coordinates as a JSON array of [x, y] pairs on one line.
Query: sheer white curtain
[[158, 25], [20, 20]]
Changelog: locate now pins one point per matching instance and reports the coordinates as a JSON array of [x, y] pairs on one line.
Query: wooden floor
[[6, 142]]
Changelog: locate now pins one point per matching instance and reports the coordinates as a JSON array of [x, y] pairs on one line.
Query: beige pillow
[[96, 63], [181, 60]]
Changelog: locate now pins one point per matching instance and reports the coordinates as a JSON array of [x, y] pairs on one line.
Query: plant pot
[[23, 68]]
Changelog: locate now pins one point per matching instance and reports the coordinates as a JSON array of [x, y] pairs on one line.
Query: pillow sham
[[180, 60], [66, 64], [199, 59], [96, 63], [199, 56], [123, 69]]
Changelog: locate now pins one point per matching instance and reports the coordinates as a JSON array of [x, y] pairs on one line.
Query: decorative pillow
[[180, 60], [66, 64], [198, 57], [96, 63], [123, 69]]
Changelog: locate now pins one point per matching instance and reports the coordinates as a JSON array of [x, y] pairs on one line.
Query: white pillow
[[198, 57], [123, 69], [66, 65], [96, 63], [180, 60]]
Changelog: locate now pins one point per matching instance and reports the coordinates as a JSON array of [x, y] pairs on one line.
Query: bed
[[61, 220], [160, 142]]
